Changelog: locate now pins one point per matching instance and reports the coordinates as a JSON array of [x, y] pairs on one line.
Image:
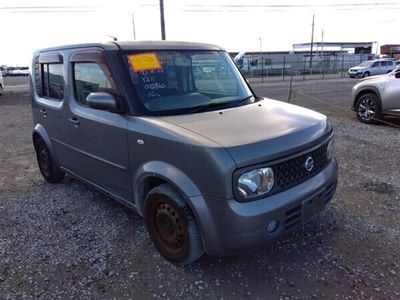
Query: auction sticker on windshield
[[144, 62]]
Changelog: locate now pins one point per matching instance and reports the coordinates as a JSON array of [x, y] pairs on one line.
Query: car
[[18, 71], [1, 84], [175, 132], [377, 96], [372, 67]]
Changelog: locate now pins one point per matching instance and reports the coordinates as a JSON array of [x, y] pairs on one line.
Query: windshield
[[185, 81], [366, 63]]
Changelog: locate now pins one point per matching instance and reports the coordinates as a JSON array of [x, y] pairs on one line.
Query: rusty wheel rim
[[168, 227]]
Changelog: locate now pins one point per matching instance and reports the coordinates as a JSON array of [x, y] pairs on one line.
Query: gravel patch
[[69, 241]]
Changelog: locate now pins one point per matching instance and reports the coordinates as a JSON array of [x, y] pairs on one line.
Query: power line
[[47, 7], [284, 5], [52, 11], [295, 5], [281, 7]]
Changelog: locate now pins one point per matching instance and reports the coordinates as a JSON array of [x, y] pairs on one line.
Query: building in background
[[324, 58], [391, 50]]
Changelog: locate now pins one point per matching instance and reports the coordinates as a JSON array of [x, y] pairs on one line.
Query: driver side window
[[375, 64], [88, 78]]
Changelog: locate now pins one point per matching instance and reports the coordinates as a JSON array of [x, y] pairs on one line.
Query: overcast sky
[[236, 25]]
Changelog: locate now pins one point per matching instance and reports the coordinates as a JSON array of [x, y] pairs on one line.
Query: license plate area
[[311, 207]]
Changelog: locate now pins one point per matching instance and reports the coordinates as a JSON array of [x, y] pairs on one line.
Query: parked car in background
[[372, 67], [1, 84], [3, 70], [18, 71], [377, 96]]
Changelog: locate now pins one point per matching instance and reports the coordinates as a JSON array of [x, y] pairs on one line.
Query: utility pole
[[322, 43], [133, 26], [312, 41], [162, 19], [261, 60], [322, 54]]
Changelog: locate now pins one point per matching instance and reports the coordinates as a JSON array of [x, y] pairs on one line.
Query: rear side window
[[49, 80], [53, 81], [88, 78], [390, 63]]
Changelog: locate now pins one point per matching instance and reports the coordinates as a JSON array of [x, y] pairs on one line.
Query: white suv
[[372, 67], [376, 97]]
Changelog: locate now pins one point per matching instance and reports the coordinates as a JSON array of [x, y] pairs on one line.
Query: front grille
[[293, 171]]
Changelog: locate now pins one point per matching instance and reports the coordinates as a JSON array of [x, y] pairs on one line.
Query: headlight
[[330, 150], [256, 182]]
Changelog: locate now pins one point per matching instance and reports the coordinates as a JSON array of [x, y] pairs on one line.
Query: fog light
[[273, 226]]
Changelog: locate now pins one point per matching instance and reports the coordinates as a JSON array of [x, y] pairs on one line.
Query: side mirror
[[103, 101]]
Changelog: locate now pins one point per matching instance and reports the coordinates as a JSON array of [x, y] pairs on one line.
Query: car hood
[[257, 132], [375, 79], [357, 68]]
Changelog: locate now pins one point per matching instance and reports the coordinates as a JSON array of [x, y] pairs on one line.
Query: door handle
[[74, 120]]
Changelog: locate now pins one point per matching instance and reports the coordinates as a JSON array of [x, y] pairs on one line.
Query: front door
[[390, 95], [375, 68], [98, 142]]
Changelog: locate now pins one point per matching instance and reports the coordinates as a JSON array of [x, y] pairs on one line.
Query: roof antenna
[[113, 37]]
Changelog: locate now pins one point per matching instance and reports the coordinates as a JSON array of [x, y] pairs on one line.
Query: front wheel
[[368, 109], [366, 74], [171, 225]]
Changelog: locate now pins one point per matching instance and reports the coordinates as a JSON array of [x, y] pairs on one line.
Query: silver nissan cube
[[174, 131]]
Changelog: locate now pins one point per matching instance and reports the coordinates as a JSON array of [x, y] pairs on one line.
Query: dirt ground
[[69, 241]]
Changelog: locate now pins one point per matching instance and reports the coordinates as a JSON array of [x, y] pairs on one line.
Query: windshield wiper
[[244, 100], [205, 107]]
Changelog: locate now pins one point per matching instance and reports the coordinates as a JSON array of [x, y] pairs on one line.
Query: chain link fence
[[299, 65]]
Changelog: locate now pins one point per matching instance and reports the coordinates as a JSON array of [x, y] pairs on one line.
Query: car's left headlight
[[255, 182], [330, 150]]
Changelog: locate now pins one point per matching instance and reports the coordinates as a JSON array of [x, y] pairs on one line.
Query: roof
[[140, 45], [166, 45], [336, 44]]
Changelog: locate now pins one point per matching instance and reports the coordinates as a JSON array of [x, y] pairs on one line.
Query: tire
[[172, 226], [368, 108], [46, 163], [1, 90], [366, 74]]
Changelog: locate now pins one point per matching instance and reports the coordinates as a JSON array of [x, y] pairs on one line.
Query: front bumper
[[355, 74], [230, 227]]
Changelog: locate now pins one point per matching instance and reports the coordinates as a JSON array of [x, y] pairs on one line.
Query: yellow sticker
[[144, 62]]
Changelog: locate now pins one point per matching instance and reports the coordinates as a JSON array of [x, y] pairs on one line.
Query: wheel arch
[[368, 90], [40, 132], [154, 173]]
